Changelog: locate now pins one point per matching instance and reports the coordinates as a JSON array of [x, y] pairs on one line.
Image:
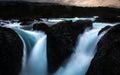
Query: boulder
[[11, 52], [80, 25], [59, 44], [107, 58], [41, 27]]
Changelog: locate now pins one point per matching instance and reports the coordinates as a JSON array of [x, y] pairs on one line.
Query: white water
[[72, 19], [36, 53], [85, 50], [38, 61], [34, 59], [37, 56]]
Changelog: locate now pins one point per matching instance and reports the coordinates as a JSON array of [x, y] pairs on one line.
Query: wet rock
[[59, 44], [80, 25], [104, 29], [41, 27], [11, 52], [107, 58]]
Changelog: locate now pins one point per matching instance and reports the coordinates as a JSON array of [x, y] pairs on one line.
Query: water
[[36, 52], [35, 58], [72, 19], [85, 50], [38, 61]]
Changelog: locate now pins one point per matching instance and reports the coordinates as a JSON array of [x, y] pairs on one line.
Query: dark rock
[[80, 25], [26, 21], [108, 18], [61, 41], [104, 29], [59, 44], [41, 26], [11, 52], [107, 58]]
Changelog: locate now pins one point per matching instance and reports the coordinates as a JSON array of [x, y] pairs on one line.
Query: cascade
[[36, 61], [85, 50], [35, 58]]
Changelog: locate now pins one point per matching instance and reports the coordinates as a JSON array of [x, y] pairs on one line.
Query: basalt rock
[[61, 41], [41, 27], [80, 25], [59, 45], [107, 58], [11, 52]]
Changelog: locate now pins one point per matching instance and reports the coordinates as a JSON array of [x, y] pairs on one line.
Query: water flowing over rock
[[35, 57], [104, 29], [59, 46], [107, 58], [61, 41], [84, 52]]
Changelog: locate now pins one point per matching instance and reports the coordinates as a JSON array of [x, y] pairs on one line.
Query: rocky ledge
[[11, 52]]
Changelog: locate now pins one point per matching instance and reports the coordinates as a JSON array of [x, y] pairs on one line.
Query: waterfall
[[38, 61], [34, 59], [85, 50], [36, 52]]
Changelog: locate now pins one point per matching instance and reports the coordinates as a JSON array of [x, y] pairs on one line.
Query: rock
[[80, 25], [107, 58], [11, 52], [41, 27], [26, 21], [59, 44], [108, 19], [104, 29], [61, 41]]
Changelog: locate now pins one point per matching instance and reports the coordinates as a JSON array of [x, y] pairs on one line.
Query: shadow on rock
[[11, 52]]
